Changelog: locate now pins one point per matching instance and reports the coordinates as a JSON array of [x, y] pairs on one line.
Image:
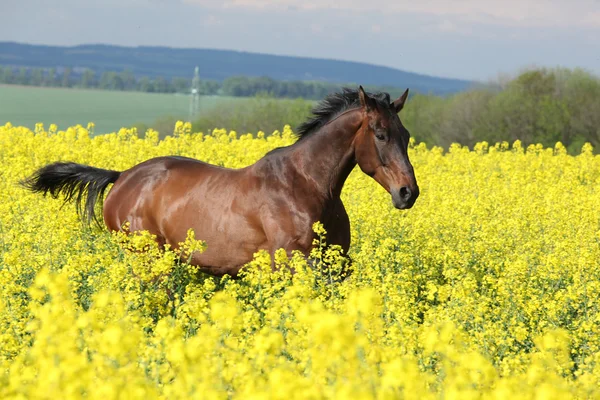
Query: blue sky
[[472, 39]]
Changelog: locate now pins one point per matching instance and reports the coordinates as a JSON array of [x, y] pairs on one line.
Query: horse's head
[[381, 148]]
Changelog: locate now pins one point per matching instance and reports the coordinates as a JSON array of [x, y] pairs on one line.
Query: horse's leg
[[338, 233], [159, 239], [283, 234]]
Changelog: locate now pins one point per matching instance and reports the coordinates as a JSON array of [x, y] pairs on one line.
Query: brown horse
[[271, 204]]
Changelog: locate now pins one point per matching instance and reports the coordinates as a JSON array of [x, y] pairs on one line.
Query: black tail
[[75, 181]]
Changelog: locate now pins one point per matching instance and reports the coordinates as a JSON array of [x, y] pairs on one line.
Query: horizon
[[232, 50], [467, 39], [500, 75]]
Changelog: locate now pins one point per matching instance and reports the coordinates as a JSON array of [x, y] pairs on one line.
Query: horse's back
[[144, 188]]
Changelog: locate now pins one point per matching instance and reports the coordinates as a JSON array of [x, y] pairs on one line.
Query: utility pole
[[195, 99]]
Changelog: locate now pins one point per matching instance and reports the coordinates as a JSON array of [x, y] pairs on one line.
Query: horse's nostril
[[405, 193]]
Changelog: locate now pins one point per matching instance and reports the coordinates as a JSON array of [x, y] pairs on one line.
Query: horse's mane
[[335, 104]]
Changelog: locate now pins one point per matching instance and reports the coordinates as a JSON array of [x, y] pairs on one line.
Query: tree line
[[537, 106], [89, 79], [238, 86]]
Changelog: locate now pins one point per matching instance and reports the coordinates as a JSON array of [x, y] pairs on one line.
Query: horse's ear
[[399, 102], [365, 101]]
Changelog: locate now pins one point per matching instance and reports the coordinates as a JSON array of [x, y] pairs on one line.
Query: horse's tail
[[75, 181]]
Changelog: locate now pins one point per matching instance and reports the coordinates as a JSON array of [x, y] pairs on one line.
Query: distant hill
[[219, 65]]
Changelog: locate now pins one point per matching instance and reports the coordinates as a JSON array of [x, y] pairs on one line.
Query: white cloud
[[447, 26], [592, 19], [211, 20]]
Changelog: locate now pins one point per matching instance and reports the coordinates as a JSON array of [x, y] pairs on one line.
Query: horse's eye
[[379, 136]]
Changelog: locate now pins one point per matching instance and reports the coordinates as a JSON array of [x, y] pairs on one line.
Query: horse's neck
[[328, 154]]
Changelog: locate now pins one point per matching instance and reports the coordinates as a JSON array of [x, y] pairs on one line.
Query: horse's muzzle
[[405, 197]]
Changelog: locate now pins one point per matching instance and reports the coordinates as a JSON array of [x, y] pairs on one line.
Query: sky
[[469, 39]]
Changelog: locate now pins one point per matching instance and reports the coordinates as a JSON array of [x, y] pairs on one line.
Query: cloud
[[211, 20], [540, 13], [446, 26], [592, 19]]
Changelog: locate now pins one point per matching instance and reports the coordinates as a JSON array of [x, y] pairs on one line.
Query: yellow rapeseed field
[[487, 288]]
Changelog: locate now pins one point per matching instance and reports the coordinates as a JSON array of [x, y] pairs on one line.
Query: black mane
[[335, 104]]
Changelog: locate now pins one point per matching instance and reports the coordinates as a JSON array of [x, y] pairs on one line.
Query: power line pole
[[195, 93]]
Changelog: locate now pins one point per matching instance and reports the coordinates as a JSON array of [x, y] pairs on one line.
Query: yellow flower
[[487, 288]]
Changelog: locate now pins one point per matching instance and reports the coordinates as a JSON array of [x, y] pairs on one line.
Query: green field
[[109, 110]]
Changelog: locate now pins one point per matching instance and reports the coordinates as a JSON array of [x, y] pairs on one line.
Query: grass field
[[109, 110]]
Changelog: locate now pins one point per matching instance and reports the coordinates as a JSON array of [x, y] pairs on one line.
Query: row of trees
[[87, 78], [250, 86], [538, 106], [239, 86]]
